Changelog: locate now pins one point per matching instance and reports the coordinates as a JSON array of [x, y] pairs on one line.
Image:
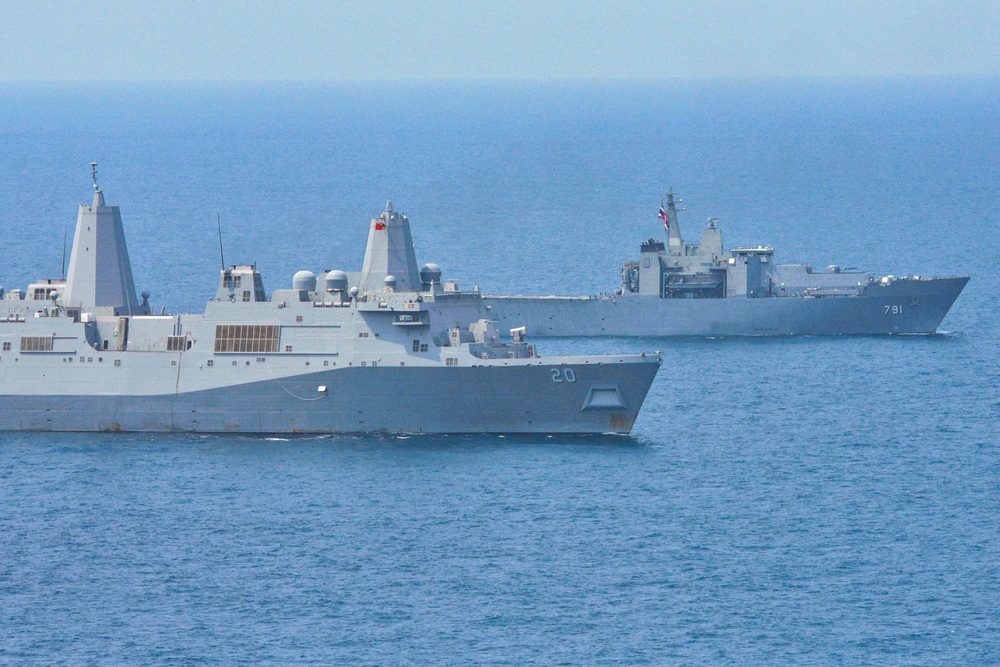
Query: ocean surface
[[780, 501]]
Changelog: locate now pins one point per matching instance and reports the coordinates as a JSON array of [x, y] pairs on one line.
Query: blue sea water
[[784, 501]]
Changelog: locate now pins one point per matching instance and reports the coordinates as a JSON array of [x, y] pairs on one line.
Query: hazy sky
[[261, 40]]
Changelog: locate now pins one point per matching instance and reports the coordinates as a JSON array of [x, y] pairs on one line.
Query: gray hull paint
[[483, 399], [401, 355], [902, 307]]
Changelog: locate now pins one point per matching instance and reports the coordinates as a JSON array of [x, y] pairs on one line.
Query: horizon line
[[519, 81]]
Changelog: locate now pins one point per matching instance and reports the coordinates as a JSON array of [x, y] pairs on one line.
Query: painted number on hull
[[563, 375], [893, 310]]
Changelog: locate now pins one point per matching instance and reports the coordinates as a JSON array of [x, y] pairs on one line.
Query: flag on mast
[[665, 218]]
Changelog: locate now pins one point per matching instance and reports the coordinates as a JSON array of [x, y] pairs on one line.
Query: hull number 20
[[563, 375]]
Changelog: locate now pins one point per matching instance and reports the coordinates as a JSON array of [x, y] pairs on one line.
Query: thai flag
[[665, 218]]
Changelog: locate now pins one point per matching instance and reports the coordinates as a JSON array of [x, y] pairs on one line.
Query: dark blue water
[[787, 501]]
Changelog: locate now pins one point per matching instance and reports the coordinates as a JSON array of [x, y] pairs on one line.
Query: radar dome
[[390, 281], [336, 281], [353, 292], [304, 280], [430, 273]]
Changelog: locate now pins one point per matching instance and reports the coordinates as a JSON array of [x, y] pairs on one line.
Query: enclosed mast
[[100, 274]]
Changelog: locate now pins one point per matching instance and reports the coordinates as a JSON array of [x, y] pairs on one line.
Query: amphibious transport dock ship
[[677, 289], [397, 352]]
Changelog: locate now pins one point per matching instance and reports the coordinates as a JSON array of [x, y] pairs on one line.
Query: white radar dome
[[304, 280], [430, 273], [336, 281]]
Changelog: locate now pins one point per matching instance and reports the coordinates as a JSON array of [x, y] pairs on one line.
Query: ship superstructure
[[679, 289], [397, 351]]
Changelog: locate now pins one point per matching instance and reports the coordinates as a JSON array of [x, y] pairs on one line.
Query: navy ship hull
[[904, 306], [569, 398], [397, 353]]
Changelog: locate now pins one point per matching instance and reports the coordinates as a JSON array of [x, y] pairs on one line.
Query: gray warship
[[397, 352], [679, 289]]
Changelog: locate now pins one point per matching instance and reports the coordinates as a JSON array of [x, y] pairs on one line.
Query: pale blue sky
[[263, 40]]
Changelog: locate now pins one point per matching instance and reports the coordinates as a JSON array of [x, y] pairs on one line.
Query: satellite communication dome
[[304, 280], [390, 281], [430, 273], [336, 281], [353, 292]]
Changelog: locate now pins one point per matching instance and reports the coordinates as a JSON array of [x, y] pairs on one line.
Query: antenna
[[93, 174], [64, 255], [222, 257]]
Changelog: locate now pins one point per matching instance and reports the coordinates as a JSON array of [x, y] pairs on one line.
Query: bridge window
[[6, 347]]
